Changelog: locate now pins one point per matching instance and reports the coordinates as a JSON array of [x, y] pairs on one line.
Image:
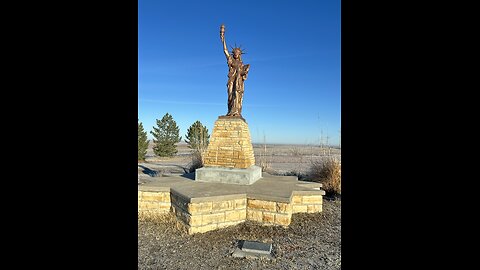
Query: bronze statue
[[237, 74]]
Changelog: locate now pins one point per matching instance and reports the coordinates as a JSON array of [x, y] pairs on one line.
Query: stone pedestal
[[230, 144], [229, 157]]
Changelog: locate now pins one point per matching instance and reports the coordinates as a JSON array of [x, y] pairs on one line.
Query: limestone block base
[[230, 145]]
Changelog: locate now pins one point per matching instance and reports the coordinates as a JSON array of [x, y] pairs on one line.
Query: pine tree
[[197, 136], [166, 135], [142, 142]]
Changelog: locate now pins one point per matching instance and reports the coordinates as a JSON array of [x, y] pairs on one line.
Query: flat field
[[279, 159]]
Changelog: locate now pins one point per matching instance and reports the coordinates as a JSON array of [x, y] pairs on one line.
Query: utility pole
[[328, 146], [321, 142]]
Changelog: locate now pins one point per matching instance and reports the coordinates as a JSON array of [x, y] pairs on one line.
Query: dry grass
[[265, 164], [328, 172], [283, 159], [157, 218], [198, 158]]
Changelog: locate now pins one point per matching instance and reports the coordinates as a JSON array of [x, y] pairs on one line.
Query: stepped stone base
[[202, 207], [229, 175]]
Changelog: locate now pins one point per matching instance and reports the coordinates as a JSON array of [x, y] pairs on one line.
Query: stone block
[[189, 219], [179, 213], [213, 218], [156, 196], [314, 208], [148, 205], [301, 208], [262, 205], [315, 199], [283, 219], [235, 215], [179, 202], [254, 215], [223, 205], [268, 217], [240, 203], [164, 207], [226, 175], [296, 199], [284, 207], [243, 214], [199, 208]]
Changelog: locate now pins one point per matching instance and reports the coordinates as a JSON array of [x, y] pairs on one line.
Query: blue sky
[[292, 94]]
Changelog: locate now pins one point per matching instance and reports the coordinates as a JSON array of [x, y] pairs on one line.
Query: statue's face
[[236, 54]]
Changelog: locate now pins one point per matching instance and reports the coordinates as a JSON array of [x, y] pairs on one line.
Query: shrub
[[328, 172], [197, 161], [197, 138]]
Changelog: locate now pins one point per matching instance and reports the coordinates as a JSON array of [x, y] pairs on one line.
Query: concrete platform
[[205, 206], [246, 176], [269, 187]]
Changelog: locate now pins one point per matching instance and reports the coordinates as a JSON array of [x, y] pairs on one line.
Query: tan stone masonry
[[154, 202], [230, 145], [198, 215]]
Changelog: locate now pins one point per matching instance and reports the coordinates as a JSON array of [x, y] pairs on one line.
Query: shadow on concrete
[[185, 170], [190, 176], [149, 171]]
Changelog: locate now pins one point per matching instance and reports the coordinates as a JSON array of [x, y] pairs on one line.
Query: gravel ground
[[312, 241]]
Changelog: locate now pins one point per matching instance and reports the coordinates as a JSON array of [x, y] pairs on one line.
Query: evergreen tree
[[142, 142], [197, 136], [166, 135]]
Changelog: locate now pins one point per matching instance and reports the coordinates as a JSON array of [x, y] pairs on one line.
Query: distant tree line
[[166, 135]]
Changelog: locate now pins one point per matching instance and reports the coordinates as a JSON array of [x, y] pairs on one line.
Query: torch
[[222, 31]]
